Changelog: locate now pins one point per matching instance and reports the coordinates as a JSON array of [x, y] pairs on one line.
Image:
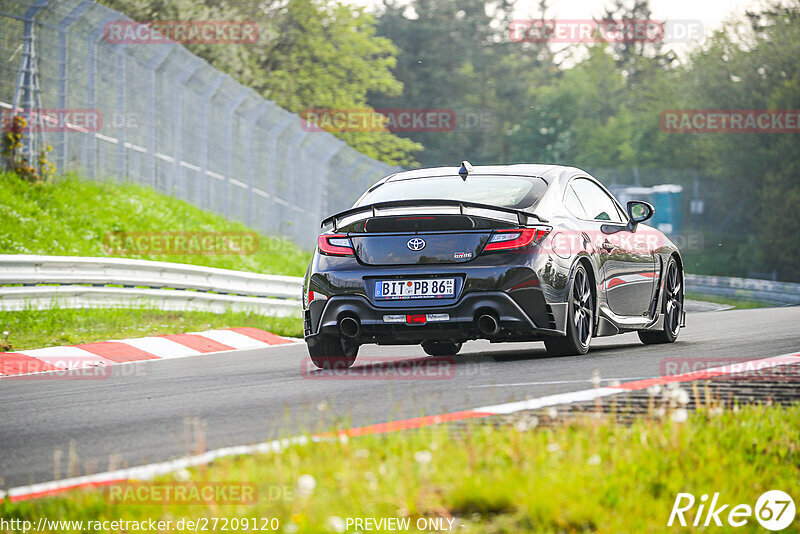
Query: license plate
[[415, 289]]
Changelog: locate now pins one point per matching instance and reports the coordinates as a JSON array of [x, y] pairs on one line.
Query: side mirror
[[639, 211]]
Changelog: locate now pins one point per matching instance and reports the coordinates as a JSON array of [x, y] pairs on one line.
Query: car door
[[628, 264]]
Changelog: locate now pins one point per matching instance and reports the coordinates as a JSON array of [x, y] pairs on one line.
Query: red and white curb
[[106, 353], [150, 471]]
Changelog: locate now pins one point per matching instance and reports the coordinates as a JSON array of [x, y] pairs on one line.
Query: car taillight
[[335, 245], [316, 295], [517, 238]]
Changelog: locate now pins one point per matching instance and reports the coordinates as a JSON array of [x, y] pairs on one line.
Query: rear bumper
[[519, 319]]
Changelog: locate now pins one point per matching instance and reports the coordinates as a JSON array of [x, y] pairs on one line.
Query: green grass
[[74, 217], [31, 329], [584, 475], [736, 303]]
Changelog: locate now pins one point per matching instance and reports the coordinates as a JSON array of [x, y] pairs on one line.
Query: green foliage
[[755, 176], [599, 106], [733, 303], [310, 54], [73, 217], [33, 329], [585, 475], [234, 59], [580, 117], [453, 55], [335, 60], [13, 159]]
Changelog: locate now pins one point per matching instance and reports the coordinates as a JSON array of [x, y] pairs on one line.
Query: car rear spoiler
[[464, 208]]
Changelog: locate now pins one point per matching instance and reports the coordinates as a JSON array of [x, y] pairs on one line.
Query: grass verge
[[583, 475], [30, 329], [736, 303], [73, 217]]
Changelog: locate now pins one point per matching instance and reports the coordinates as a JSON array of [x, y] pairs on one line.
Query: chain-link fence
[[166, 119]]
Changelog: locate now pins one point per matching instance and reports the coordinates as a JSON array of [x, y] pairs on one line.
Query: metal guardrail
[[767, 291], [45, 297], [77, 282]]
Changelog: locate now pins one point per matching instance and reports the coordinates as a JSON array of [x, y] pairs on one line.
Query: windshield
[[518, 192]]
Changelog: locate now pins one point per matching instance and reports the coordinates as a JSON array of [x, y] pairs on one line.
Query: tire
[[580, 319], [332, 352], [672, 308], [441, 348]]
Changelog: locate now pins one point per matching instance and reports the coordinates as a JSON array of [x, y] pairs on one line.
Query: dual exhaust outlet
[[487, 323]]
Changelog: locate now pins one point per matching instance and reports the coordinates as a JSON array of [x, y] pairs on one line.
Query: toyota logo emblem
[[416, 244]]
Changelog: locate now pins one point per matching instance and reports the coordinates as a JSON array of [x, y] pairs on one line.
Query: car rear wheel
[[672, 308], [580, 319], [441, 348], [330, 352]]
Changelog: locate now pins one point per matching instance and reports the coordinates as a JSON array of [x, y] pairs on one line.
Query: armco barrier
[[76, 282], [767, 291]]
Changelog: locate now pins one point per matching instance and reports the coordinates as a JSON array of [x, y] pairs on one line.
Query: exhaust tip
[[488, 325], [349, 327]]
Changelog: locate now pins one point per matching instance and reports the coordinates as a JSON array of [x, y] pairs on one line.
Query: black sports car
[[506, 253]]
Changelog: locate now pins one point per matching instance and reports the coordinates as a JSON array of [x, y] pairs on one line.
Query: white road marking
[[162, 347], [66, 357], [149, 471], [549, 400], [555, 382], [233, 339]]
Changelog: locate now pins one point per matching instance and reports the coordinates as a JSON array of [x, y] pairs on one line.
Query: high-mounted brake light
[[335, 245], [517, 238]]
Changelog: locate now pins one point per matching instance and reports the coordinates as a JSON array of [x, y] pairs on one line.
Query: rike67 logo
[[774, 510]]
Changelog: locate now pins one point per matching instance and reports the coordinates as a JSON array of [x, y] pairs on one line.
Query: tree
[[234, 59], [456, 55], [310, 54], [580, 118], [322, 55], [757, 177]]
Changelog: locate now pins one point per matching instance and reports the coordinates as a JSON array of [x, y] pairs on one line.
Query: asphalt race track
[[140, 412]]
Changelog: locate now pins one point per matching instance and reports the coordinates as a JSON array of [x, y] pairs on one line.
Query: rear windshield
[[518, 192]]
